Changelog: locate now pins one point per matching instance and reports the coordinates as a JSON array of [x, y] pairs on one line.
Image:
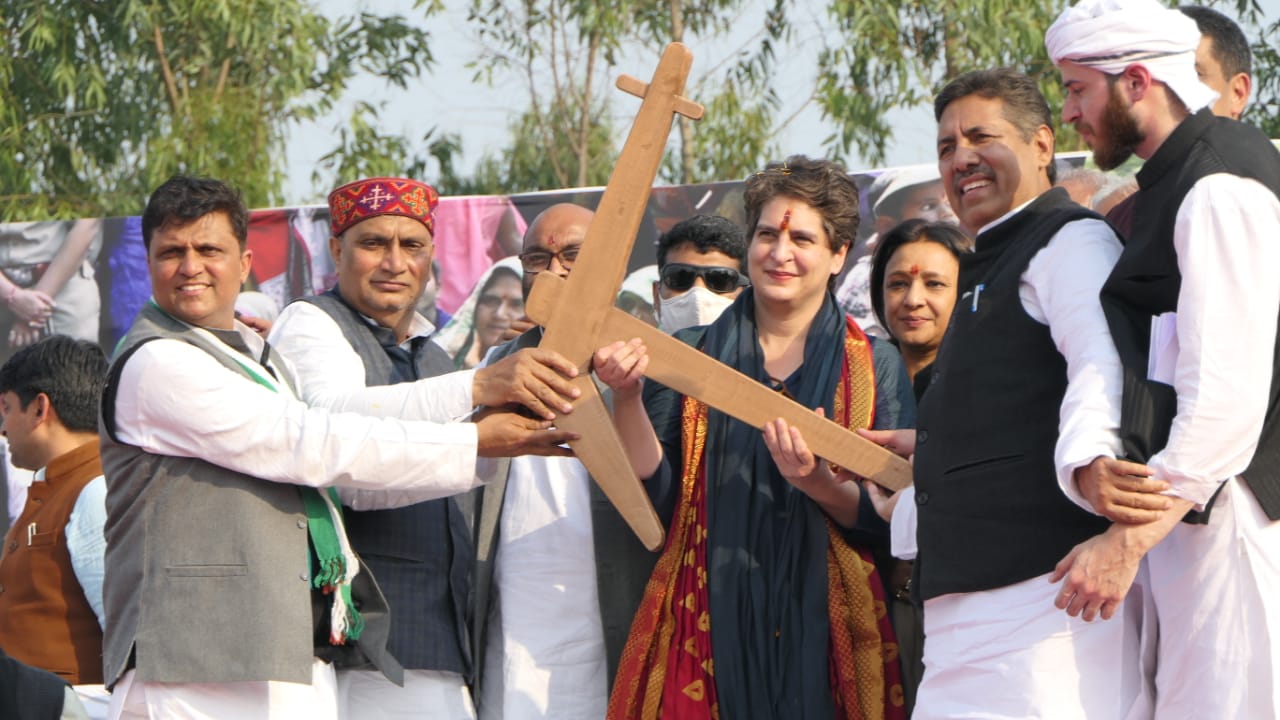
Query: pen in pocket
[[976, 292]]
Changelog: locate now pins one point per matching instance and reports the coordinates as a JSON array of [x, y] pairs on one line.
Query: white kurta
[[1009, 652], [1216, 587], [175, 399], [133, 700], [332, 373], [332, 376], [545, 654], [18, 480]]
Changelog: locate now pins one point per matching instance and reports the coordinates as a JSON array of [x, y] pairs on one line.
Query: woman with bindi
[[767, 575], [913, 278]]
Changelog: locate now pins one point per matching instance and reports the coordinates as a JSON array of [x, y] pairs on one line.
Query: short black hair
[[706, 233], [71, 372], [1024, 104], [911, 231], [1230, 47], [823, 185], [183, 199]]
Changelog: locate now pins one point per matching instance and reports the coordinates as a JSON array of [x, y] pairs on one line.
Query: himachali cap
[[371, 197]]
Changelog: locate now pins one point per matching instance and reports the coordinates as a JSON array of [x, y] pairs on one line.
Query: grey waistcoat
[[208, 570]]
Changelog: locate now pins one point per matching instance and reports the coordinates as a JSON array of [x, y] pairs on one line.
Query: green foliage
[[897, 54], [102, 101], [544, 153], [364, 151], [737, 134], [733, 140], [1264, 108], [877, 59], [559, 51], [566, 53]]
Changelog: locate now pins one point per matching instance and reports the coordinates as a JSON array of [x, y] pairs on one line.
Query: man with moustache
[[231, 590], [1193, 307], [559, 573], [1224, 64], [1023, 398], [362, 346]]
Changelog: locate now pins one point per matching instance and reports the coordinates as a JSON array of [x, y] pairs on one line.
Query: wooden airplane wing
[[600, 450], [690, 372]]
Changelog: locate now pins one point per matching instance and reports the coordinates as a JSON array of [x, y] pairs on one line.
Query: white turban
[[1111, 35]]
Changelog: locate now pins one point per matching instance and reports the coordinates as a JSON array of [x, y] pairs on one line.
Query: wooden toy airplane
[[579, 317]]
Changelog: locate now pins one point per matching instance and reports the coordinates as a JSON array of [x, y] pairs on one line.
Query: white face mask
[[698, 306]]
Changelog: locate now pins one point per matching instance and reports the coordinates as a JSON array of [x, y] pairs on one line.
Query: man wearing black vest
[[1022, 398], [1224, 64], [1192, 304], [231, 590], [363, 346]]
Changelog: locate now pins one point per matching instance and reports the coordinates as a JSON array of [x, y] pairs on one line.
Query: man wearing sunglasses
[[701, 269]]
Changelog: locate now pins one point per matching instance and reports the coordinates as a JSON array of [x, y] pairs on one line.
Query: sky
[[448, 97]]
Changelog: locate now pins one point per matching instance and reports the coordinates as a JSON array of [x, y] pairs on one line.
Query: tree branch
[[684, 124], [226, 68], [584, 112], [170, 84]]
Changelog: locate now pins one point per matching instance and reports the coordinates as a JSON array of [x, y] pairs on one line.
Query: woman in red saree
[[765, 602]]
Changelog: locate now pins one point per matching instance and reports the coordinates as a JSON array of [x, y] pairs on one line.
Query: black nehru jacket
[[991, 513], [421, 554], [1146, 283], [28, 693]]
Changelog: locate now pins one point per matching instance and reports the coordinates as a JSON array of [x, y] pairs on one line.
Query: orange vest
[[45, 619]]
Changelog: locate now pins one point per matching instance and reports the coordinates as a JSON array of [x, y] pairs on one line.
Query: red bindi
[[786, 221], [915, 270]]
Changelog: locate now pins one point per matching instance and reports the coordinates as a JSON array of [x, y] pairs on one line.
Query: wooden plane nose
[[543, 297], [600, 450]]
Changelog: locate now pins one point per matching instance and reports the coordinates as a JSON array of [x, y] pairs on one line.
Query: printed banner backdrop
[[291, 252]]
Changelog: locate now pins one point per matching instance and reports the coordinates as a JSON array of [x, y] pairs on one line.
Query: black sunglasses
[[679, 277]]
